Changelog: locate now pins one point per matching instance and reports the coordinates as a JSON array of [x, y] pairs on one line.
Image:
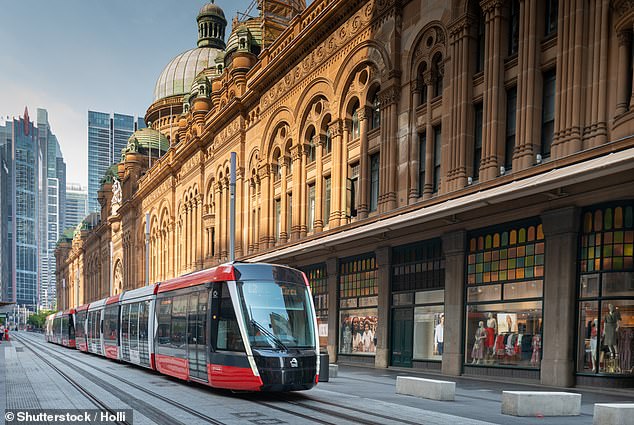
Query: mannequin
[[477, 353], [492, 330], [593, 343], [610, 328], [439, 336]]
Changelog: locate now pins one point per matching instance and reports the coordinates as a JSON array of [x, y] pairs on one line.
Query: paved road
[[357, 395]]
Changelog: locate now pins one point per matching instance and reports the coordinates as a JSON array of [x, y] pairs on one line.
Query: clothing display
[[625, 337], [610, 325], [537, 346], [490, 339], [477, 353]]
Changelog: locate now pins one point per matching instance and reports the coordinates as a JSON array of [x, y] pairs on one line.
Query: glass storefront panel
[[504, 334], [358, 301], [606, 290], [317, 279], [505, 286], [429, 322], [358, 331], [588, 336]]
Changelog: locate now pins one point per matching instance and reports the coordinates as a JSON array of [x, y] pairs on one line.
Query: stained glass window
[[358, 277], [607, 239], [514, 254]]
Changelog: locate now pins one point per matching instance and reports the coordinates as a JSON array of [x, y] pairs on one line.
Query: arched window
[[356, 127], [421, 83], [376, 111], [328, 142], [311, 155], [277, 168], [438, 75]]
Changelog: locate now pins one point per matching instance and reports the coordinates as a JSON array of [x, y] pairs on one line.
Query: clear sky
[[69, 56]]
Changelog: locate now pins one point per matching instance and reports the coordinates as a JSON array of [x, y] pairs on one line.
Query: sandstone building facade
[[454, 177]]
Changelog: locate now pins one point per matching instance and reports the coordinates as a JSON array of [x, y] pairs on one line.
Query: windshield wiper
[[270, 334]]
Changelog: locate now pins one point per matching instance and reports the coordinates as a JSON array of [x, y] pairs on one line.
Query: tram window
[[110, 323], [143, 320], [71, 328], [125, 322], [179, 324], [164, 321], [134, 327], [228, 335]]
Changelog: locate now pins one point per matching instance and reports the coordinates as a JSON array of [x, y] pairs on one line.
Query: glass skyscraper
[[32, 188], [76, 207], [108, 134]]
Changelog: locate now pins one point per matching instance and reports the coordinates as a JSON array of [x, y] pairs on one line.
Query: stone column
[[338, 184], [345, 140], [560, 230], [430, 143], [319, 171], [265, 176], [364, 178], [333, 309], [461, 102], [389, 136], [383, 260], [596, 129], [454, 245], [414, 160], [219, 219], [296, 205], [622, 95], [199, 232], [302, 194], [493, 104], [284, 231], [528, 94]]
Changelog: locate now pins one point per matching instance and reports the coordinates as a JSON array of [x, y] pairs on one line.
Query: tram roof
[[95, 305], [113, 299], [143, 292], [82, 308], [220, 273]]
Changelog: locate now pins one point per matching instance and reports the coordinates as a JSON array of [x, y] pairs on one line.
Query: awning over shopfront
[[606, 165]]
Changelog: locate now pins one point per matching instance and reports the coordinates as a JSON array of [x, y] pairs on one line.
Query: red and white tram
[[240, 326], [60, 328]]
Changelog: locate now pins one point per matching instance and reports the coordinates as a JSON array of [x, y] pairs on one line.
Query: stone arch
[[431, 39], [117, 277], [319, 87], [282, 114]]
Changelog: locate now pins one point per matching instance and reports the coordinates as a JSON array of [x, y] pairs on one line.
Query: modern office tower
[[6, 210], [76, 206], [32, 188], [107, 135], [52, 170]]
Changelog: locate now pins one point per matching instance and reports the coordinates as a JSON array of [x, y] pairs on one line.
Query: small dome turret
[[211, 26]]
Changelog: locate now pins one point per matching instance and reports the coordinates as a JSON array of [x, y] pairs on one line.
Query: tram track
[[86, 393], [141, 406], [299, 401]]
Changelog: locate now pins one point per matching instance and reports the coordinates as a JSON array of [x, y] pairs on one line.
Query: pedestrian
[[1, 332], [6, 333]]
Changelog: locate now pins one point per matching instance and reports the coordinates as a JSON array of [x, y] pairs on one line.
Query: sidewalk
[[475, 398]]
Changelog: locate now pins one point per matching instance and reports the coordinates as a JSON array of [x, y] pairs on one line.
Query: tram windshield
[[278, 315]]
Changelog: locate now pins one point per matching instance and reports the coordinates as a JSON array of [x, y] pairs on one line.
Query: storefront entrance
[[402, 337]]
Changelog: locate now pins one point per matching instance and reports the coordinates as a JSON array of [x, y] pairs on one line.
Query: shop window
[[606, 290], [317, 278], [418, 278], [358, 298], [505, 279]]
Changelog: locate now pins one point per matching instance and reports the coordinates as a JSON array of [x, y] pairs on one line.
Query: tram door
[[197, 334]]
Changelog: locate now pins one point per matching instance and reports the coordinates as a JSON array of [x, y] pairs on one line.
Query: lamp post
[[232, 208], [147, 248]]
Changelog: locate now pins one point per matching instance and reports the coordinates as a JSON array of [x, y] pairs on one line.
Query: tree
[[37, 320]]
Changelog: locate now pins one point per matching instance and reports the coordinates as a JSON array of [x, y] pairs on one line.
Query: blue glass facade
[[108, 134]]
